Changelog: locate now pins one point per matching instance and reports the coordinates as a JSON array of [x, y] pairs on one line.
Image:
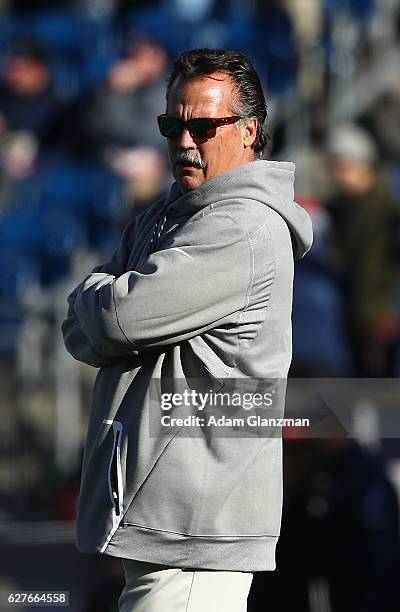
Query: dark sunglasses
[[200, 128]]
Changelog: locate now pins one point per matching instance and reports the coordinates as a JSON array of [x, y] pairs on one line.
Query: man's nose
[[185, 141]]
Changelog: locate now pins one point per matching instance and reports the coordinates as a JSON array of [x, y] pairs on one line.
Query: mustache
[[187, 158]]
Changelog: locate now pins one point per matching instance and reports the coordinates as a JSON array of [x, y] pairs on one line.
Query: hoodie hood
[[269, 182]]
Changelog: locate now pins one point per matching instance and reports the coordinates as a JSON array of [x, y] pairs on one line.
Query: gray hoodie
[[199, 289]]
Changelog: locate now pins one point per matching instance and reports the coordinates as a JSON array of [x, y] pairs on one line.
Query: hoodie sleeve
[[78, 344], [178, 293], [76, 341]]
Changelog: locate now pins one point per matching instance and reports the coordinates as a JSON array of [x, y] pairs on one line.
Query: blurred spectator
[[365, 217], [382, 118], [123, 110], [320, 346], [340, 546], [118, 121], [357, 518], [306, 16], [27, 98], [18, 190], [18, 154]]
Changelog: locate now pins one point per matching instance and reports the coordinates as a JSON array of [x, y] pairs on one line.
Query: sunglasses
[[200, 128]]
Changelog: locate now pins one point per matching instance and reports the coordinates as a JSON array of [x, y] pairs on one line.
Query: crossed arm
[[76, 341], [176, 294]]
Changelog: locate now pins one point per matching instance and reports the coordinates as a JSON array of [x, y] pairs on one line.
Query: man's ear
[[250, 132]]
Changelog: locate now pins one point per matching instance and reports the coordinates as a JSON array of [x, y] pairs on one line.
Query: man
[[365, 218], [29, 104], [199, 289]]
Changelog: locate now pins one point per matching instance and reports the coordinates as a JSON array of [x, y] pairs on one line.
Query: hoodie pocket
[[115, 483]]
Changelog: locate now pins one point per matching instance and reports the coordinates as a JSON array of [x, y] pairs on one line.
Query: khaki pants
[[159, 588]]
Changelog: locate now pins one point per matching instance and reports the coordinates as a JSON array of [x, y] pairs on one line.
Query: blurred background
[[81, 83]]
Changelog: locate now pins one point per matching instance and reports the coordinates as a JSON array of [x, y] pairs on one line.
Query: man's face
[[352, 177], [26, 76], [209, 96]]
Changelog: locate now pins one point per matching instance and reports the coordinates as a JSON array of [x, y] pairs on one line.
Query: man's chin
[[188, 177], [188, 183]]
